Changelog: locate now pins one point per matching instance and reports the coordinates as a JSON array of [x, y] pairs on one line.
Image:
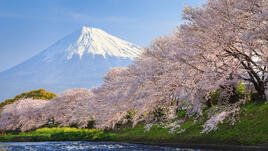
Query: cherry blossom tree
[[21, 115], [227, 37]]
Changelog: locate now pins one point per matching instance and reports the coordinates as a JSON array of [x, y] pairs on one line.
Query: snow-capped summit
[[92, 41], [77, 61]]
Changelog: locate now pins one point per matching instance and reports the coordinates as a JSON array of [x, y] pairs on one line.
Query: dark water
[[82, 146]]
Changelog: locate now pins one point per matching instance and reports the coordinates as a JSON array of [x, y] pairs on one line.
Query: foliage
[[181, 113], [91, 124], [214, 97], [50, 125], [130, 115], [159, 113], [254, 96], [59, 134], [240, 90], [236, 93]]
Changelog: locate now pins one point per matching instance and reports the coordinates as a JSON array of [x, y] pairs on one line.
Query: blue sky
[[29, 26]]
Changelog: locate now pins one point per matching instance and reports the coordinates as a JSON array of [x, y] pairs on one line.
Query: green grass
[[252, 129], [59, 134], [156, 134]]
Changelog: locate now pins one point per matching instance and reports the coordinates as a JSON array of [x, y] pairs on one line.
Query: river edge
[[207, 146]]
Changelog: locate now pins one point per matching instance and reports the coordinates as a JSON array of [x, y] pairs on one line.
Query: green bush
[[130, 115], [181, 113], [238, 93], [74, 125], [240, 89], [254, 96], [91, 124], [159, 113], [214, 97]]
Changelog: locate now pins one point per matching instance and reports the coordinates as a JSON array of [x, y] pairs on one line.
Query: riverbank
[[250, 132], [251, 129]]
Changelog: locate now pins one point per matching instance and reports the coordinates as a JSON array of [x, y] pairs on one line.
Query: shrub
[[214, 98], [238, 92], [181, 113], [74, 125], [254, 96], [91, 124], [159, 113], [130, 116]]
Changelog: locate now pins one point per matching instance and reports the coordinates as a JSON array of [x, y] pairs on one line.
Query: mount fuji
[[78, 60]]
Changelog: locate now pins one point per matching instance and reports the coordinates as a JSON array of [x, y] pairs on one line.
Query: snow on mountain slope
[[78, 60], [92, 41]]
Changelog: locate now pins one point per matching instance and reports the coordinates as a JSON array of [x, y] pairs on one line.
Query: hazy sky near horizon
[[29, 26]]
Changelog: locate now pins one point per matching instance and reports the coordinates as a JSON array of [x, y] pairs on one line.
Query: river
[[83, 146]]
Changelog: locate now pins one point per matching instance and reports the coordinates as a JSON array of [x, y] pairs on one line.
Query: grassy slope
[[251, 130]]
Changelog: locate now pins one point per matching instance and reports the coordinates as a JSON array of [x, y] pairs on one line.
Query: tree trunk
[[261, 92]]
